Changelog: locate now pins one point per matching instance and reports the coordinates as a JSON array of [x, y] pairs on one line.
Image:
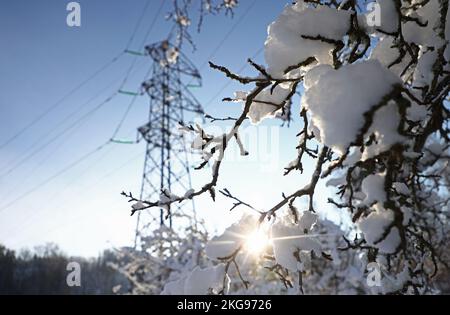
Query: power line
[[130, 105], [152, 24], [75, 123], [79, 108], [86, 170], [216, 49], [54, 176], [89, 188], [77, 87], [86, 156], [225, 37], [60, 101], [73, 126], [30, 174], [67, 117], [124, 81], [228, 34], [125, 114], [80, 175], [76, 162], [83, 117], [228, 83], [138, 23]]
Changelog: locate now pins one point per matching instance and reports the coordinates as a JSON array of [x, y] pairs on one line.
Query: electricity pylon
[[166, 165]]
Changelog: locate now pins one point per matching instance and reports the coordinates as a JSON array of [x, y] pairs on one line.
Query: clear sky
[[42, 59]]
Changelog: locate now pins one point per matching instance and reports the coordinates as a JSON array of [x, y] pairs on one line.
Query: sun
[[256, 241]]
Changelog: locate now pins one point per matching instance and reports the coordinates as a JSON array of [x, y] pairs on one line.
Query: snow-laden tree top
[[375, 82]]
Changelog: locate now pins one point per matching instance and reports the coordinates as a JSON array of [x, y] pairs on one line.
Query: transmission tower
[[166, 163]]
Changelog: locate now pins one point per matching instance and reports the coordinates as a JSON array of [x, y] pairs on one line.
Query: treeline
[[43, 271]]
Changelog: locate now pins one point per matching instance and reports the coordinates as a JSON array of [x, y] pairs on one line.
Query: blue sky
[[42, 59]]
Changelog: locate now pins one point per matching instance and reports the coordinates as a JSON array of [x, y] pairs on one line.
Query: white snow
[[165, 197], [401, 188], [338, 99], [240, 95], [183, 20], [423, 74], [428, 40], [389, 16], [387, 53], [373, 188], [393, 282], [407, 215], [285, 47], [435, 147], [385, 128], [261, 110], [374, 225], [307, 220], [417, 112], [383, 16], [232, 238], [172, 55], [138, 205], [199, 282], [189, 193], [412, 32], [202, 281], [287, 239], [174, 287]]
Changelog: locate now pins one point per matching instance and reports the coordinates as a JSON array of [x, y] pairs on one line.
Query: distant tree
[[43, 271], [8, 263]]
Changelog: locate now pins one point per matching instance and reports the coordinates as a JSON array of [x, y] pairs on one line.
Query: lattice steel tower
[[166, 159]]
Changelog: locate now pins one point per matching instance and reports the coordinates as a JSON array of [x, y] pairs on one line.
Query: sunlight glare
[[256, 242]]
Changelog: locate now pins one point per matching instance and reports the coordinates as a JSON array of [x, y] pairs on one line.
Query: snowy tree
[[375, 83], [181, 16], [162, 256]]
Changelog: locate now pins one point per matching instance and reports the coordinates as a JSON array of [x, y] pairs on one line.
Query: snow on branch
[[374, 118]]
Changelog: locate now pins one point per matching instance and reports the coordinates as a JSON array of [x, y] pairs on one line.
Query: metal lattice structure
[[166, 163]]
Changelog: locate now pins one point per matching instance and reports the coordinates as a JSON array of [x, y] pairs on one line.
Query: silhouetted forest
[[43, 271]]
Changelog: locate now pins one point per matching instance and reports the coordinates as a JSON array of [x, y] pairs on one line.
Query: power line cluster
[[77, 123]]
